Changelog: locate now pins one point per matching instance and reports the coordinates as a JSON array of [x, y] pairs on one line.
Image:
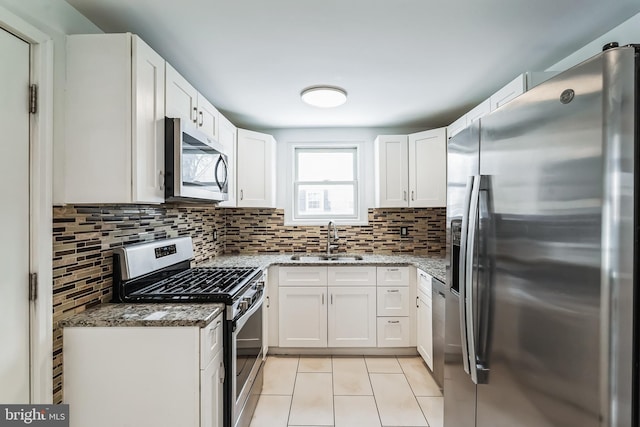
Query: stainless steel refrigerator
[[542, 228]]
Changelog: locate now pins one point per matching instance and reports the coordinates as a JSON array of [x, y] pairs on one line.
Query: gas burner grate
[[199, 281]]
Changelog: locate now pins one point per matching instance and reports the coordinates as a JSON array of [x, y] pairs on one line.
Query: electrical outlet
[[404, 231], [215, 235]]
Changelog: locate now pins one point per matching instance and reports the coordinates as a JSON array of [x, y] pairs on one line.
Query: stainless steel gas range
[[160, 271]]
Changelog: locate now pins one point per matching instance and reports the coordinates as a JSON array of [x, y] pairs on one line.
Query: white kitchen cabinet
[[256, 170], [479, 111], [393, 301], [392, 276], [392, 173], [302, 316], [114, 121], [411, 172], [98, 379], [394, 306], [352, 316], [228, 134], [424, 316], [327, 306], [185, 102]]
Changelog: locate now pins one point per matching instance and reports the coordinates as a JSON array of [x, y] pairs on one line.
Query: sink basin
[[311, 258]]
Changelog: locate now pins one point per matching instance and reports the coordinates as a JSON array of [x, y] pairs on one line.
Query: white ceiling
[[404, 63]]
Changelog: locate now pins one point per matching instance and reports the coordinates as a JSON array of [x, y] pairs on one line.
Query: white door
[[392, 174], [14, 223], [255, 161], [211, 383], [208, 117], [428, 169], [352, 316], [425, 329], [302, 316], [181, 99]]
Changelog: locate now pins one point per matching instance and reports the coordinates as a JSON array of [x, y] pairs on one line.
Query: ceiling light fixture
[[324, 96]]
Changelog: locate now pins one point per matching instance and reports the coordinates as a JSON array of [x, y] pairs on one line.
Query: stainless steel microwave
[[196, 167]]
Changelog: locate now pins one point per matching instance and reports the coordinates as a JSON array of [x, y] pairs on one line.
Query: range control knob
[[244, 305]]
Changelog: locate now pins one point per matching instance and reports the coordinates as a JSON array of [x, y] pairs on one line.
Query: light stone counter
[[160, 314], [431, 265]]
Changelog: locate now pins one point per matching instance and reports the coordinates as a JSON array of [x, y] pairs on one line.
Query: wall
[[264, 231], [626, 33], [83, 242]]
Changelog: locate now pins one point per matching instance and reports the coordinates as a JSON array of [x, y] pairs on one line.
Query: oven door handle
[[238, 324]]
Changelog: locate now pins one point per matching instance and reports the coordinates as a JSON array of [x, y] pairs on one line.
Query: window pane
[[317, 165], [330, 200]]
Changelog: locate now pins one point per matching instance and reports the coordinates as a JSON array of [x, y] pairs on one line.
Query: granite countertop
[[435, 266], [160, 314]]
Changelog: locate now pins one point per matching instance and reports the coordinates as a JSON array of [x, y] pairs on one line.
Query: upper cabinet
[[185, 102], [228, 135], [511, 90], [256, 170], [411, 169], [114, 121]]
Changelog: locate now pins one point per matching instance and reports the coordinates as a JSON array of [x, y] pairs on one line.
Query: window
[[325, 183]]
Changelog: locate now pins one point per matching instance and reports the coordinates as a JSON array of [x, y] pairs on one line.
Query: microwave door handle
[[468, 283], [461, 273], [226, 173]]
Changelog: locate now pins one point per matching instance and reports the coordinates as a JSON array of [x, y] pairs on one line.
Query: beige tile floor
[[345, 391]]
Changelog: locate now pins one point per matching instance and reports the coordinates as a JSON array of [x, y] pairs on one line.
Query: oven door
[[196, 165], [246, 359]]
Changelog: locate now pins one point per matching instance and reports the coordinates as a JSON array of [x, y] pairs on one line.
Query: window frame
[[359, 217]]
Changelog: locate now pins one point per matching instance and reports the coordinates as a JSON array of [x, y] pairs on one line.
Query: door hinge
[[33, 286], [33, 99]]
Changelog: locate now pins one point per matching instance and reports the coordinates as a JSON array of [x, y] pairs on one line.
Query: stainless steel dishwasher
[[438, 292]]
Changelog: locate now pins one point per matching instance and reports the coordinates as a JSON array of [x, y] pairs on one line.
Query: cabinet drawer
[[424, 283], [393, 301], [210, 341], [393, 276], [302, 276], [352, 276], [393, 331]]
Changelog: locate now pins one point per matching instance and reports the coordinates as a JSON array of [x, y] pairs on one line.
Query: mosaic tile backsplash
[[84, 238]]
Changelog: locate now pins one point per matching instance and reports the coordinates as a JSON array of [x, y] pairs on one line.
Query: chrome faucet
[[331, 240]]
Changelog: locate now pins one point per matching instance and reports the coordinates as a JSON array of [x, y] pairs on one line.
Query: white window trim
[[361, 214]]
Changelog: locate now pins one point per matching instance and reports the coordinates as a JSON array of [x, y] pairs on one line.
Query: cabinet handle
[[201, 119], [393, 269], [393, 290], [331, 299], [241, 195], [268, 303], [161, 180], [404, 195], [222, 373], [412, 195], [195, 115], [322, 299], [418, 302], [393, 321]]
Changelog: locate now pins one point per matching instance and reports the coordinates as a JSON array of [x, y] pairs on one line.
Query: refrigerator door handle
[[478, 373], [462, 268]]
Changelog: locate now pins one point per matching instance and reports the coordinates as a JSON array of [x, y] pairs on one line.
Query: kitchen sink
[[323, 257]]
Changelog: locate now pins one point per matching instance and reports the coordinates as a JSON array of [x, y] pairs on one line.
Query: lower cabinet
[[178, 370], [425, 319], [393, 331], [313, 313]]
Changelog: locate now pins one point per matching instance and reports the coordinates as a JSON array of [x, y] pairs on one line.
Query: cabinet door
[[302, 316], [391, 174], [211, 389], [181, 98], [256, 169], [208, 118], [352, 316], [479, 111], [428, 168], [228, 133], [425, 329], [148, 123], [456, 127]]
